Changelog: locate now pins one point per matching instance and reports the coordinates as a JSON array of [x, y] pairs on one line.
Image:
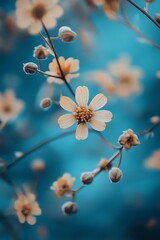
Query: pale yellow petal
[[103, 116], [82, 131], [66, 120], [67, 104], [31, 220], [82, 96], [35, 27], [97, 125], [98, 102], [21, 217]]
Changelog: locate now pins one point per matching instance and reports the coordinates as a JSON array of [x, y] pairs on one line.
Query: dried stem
[[56, 56], [144, 12], [131, 26], [47, 74], [149, 130]]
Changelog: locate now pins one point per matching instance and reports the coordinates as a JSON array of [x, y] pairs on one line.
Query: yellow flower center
[[38, 11], [83, 115], [26, 210]]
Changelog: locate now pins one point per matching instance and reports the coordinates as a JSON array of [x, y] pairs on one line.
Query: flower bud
[[66, 34], [87, 177], [155, 119], [115, 174], [38, 165], [41, 52], [30, 68], [46, 103], [69, 208], [104, 164]]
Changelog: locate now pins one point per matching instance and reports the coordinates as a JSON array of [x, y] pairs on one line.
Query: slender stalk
[[131, 26], [40, 145], [149, 130], [47, 74], [144, 12], [56, 56], [96, 172], [39, 64]]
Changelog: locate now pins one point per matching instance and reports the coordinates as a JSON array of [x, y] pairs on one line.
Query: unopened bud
[[155, 119], [115, 174], [158, 17], [87, 177], [30, 68], [41, 52], [38, 165], [46, 103], [105, 164], [66, 34], [69, 208]]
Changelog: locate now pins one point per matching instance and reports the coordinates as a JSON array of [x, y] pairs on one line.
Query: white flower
[[83, 114], [31, 13], [10, 107], [27, 208]]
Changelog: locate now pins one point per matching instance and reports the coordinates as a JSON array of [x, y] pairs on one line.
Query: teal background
[[106, 211]]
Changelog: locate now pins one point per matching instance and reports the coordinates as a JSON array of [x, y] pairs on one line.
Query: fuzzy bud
[[104, 164], [115, 174], [87, 177], [46, 103], [69, 208], [41, 52], [30, 68], [66, 34]]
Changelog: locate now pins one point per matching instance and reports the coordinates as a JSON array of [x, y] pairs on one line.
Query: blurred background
[[128, 210]]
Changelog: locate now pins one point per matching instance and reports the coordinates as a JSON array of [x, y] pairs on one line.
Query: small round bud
[[38, 165], [66, 34], [69, 208], [30, 68], [46, 103], [155, 119], [115, 174], [104, 164], [87, 177], [41, 52]]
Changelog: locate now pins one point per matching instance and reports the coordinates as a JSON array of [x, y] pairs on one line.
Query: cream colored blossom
[[69, 67], [63, 185], [128, 139], [83, 114], [31, 13], [27, 208], [10, 107], [120, 79], [153, 162]]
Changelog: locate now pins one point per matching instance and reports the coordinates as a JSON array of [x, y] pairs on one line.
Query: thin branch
[[56, 56], [145, 13], [130, 25], [47, 74], [149, 130]]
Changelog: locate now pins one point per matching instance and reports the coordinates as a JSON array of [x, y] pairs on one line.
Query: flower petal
[[66, 120], [82, 131], [97, 125], [67, 104], [31, 220], [103, 116], [98, 102], [82, 96]]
